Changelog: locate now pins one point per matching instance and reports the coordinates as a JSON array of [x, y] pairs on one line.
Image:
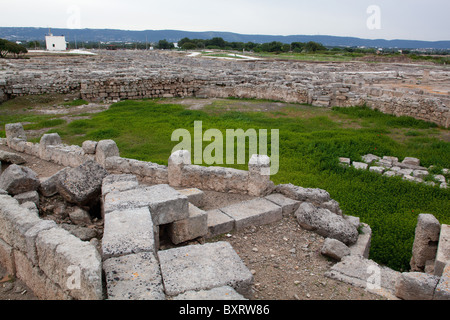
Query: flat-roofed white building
[[56, 43]]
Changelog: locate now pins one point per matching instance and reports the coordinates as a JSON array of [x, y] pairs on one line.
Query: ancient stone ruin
[[137, 201], [408, 169], [421, 92]]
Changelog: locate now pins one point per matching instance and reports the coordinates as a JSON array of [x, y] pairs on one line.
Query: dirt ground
[[284, 258]]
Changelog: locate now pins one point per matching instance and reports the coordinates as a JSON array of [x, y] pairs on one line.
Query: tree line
[[274, 46]]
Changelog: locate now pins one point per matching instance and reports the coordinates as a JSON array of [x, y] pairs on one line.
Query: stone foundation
[[112, 76]]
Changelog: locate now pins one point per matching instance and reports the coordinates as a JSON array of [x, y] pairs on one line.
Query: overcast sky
[[372, 19]]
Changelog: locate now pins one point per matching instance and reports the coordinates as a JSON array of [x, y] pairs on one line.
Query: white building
[[56, 43]]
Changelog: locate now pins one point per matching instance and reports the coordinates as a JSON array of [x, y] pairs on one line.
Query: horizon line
[[232, 32]]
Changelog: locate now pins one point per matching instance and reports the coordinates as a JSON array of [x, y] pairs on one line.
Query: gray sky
[[391, 19]]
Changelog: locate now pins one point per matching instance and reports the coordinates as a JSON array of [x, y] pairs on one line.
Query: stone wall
[[50, 260], [112, 76]]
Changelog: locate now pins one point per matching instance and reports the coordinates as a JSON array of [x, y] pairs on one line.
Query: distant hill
[[113, 35]]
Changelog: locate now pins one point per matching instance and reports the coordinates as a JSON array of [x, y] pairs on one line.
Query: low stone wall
[[50, 260]]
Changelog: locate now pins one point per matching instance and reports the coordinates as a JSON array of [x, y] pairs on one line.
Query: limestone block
[[165, 203], [14, 130], [425, 241], [362, 245], [442, 291], [360, 165], [30, 238], [220, 293], [195, 196], [73, 264], [89, 146], [105, 149], [11, 157], [30, 196], [127, 232], [326, 223], [204, 267], [334, 249], [80, 217], [7, 258], [331, 205], [48, 186], [118, 182], [254, 212], [18, 179], [37, 281], [82, 185], [313, 195], [416, 286], [359, 271], [177, 160], [369, 158], [15, 221], [420, 173], [287, 205], [443, 251], [389, 158], [196, 225], [48, 139], [345, 161], [218, 223], [377, 169], [259, 182], [411, 161], [133, 277]]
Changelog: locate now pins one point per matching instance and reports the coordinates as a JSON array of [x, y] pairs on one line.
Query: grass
[[76, 103], [311, 141]]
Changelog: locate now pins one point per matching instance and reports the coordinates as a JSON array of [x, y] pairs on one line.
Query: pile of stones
[[409, 169]]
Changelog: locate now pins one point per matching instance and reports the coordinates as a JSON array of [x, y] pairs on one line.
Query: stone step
[[361, 272], [287, 205], [134, 277], [126, 232], [195, 196], [254, 212], [165, 203], [196, 225], [204, 267], [218, 223], [221, 293]]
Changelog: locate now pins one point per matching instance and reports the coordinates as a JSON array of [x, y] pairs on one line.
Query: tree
[[164, 44], [297, 46], [7, 47], [189, 46], [216, 42], [314, 47]]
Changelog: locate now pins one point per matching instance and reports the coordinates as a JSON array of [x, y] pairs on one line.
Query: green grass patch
[[45, 124], [76, 103]]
